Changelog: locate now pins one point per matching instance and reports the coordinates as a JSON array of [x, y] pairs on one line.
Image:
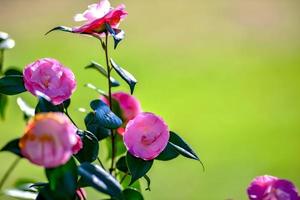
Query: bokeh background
[[225, 74]]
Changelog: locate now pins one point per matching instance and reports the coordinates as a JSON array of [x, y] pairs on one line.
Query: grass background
[[225, 75]]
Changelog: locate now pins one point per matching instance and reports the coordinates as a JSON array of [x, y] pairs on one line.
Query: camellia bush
[[70, 154]]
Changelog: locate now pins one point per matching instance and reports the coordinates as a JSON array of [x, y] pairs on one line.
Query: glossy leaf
[[125, 75], [168, 153], [99, 68], [13, 147], [89, 152], [63, 180], [105, 116], [3, 104], [93, 87], [92, 125], [12, 85], [101, 180], [5, 41], [13, 71], [132, 194], [117, 34], [20, 194], [60, 28], [182, 147], [122, 165], [46, 106], [137, 167]]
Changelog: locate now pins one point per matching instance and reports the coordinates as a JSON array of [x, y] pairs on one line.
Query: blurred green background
[[224, 74]]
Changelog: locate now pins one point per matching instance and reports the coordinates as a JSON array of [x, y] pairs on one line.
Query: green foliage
[[132, 194], [125, 75], [13, 147], [12, 85], [90, 150], [99, 179], [137, 167], [92, 124]]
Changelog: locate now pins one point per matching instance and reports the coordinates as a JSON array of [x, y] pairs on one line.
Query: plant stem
[[123, 178], [110, 105], [99, 161], [1, 61], [9, 171]]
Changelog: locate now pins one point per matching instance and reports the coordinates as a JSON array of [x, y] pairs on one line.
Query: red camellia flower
[[97, 15]]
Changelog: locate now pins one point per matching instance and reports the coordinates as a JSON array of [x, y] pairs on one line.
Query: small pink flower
[[146, 136], [129, 105], [97, 15], [49, 77], [49, 140], [81, 194], [272, 188]]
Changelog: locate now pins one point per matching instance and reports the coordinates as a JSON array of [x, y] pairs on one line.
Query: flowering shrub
[[70, 154]]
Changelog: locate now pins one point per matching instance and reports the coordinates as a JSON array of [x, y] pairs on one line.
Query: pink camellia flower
[[129, 105], [49, 140], [48, 76], [97, 15], [146, 136], [272, 188]]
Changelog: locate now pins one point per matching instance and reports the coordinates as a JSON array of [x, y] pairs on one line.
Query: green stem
[[1, 61], [101, 164], [9, 171], [110, 104], [123, 178]]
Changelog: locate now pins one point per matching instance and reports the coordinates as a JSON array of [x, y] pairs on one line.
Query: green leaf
[[3, 104], [92, 124], [182, 147], [132, 194], [46, 106], [148, 182], [125, 75], [20, 194], [99, 68], [63, 180], [117, 34], [12, 85], [89, 152], [122, 165], [67, 103], [13, 147], [105, 116], [5, 41], [137, 167], [101, 180], [61, 28], [13, 71], [93, 87], [168, 153]]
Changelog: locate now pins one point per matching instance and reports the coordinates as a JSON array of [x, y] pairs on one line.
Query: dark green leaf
[[92, 125], [132, 194], [101, 180], [13, 147], [125, 75], [89, 152], [168, 153], [99, 68], [137, 167], [105, 116], [148, 182], [60, 28], [13, 71], [12, 85], [122, 165], [46, 106], [181, 146], [117, 34], [63, 180], [3, 104], [67, 103]]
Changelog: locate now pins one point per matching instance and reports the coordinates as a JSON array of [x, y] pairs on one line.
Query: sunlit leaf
[[168, 153], [20, 194], [101, 180], [99, 68], [60, 28], [27, 110], [125, 75]]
